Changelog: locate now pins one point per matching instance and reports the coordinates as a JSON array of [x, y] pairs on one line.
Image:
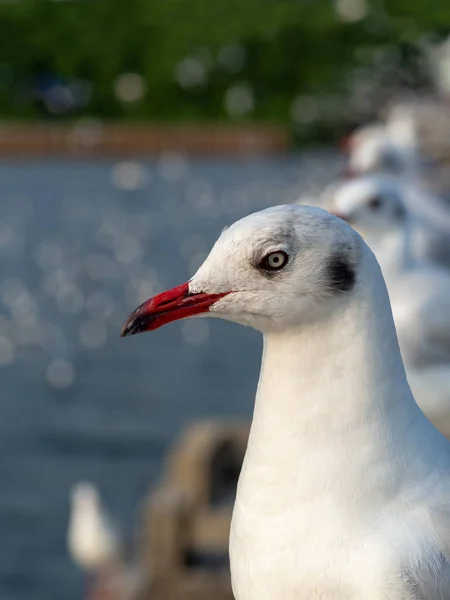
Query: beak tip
[[174, 304], [132, 326], [125, 332]]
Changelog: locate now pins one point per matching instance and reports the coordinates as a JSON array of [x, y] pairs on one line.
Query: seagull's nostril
[[165, 302], [169, 300]]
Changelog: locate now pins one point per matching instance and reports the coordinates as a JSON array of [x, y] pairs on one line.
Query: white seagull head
[[279, 268], [370, 204]]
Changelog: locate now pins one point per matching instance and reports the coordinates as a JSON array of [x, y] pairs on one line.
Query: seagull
[[93, 540], [344, 492], [392, 149], [385, 210], [376, 153]]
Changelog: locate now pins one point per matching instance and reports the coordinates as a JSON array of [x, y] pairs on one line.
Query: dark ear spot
[[375, 202], [341, 274]]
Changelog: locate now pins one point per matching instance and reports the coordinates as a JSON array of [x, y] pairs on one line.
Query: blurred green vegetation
[[316, 65]]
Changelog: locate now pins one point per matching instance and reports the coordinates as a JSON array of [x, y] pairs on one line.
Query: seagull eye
[[375, 203], [274, 261]]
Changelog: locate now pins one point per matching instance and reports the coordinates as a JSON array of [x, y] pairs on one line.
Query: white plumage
[[345, 487], [389, 148], [93, 540]]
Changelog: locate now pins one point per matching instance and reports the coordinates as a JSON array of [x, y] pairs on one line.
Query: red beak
[[177, 303], [337, 214], [348, 173], [346, 144]]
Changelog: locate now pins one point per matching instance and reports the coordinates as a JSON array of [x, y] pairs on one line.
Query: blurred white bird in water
[[390, 148], [419, 290], [386, 211], [93, 540], [393, 148], [374, 153]]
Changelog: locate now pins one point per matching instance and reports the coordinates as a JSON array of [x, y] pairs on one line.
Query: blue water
[[81, 245]]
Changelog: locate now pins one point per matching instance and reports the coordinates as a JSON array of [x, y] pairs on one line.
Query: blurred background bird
[[384, 197], [388, 148], [93, 539]]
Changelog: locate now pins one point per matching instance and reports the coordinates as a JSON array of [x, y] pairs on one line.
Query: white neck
[[394, 250], [334, 417]]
